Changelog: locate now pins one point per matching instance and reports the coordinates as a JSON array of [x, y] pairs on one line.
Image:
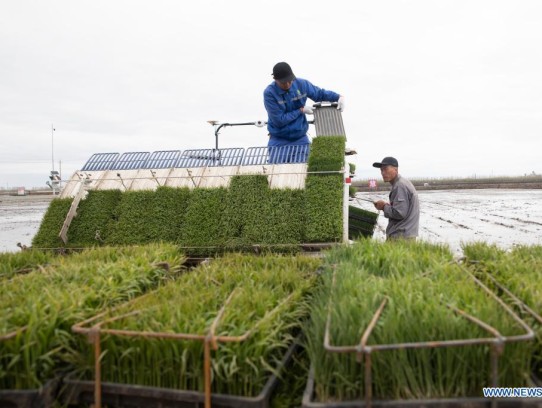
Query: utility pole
[[53, 146], [55, 176]]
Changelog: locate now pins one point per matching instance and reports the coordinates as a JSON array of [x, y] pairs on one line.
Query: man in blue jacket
[[284, 100]]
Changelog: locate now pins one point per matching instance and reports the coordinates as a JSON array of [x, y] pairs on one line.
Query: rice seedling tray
[[77, 392], [361, 223], [466, 402], [43, 397]]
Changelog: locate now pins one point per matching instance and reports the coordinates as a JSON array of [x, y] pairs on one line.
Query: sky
[[450, 88]]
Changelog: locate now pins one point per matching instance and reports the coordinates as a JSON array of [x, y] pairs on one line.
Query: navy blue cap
[[387, 161]]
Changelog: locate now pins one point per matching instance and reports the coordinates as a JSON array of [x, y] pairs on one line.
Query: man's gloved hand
[[340, 104], [307, 110]]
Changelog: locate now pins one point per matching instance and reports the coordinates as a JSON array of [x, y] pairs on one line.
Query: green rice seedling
[[352, 191], [150, 216], [289, 391], [324, 209], [528, 253], [23, 262], [95, 219], [482, 251], [327, 154], [324, 192], [281, 222], [518, 271], [256, 215], [352, 168], [40, 307], [47, 235], [393, 257], [134, 217], [256, 286], [168, 213], [422, 292], [210, 221], [361, 223], [203, 232], [243, 221]]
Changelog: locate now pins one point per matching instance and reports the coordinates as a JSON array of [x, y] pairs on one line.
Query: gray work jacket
[[403, 211]]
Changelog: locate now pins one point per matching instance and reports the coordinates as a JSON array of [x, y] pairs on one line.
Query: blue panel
[[255, 156], [210, 157], [276, 155], [131, 161], [289, 154], [163, 159], [100, 161]]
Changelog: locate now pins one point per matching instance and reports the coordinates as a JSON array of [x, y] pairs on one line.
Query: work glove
[[340, 104], [307, 110]]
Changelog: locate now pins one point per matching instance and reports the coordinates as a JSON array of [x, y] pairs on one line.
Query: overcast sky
[[450, 88]]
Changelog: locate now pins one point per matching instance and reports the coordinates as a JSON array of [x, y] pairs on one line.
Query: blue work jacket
[[286, 123]]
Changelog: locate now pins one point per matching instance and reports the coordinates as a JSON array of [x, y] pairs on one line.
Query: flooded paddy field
[[20, 218], [505, 217]]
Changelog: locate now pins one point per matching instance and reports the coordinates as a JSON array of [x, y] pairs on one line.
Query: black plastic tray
[[77, 392], [429, 403], [43, 397]]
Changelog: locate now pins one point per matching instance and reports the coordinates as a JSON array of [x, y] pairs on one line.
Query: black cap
[[283, 72], [387, 161]]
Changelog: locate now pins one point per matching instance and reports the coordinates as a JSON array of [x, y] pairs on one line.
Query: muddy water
[[504, 217], [20, 218]]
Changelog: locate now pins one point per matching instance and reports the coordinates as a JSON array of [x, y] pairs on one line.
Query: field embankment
[[518, 182]]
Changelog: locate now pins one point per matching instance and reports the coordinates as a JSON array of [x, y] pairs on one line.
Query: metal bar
[[517, 300], [477, 321], [222, 175], [12, 334], [368, 379], [97, 369], [207, 370], [346, 197], [496, 343], [63, 234], [209, 340], [372, 324], [529, 332]]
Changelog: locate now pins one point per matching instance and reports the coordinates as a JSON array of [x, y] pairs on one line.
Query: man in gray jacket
[[403, 210]]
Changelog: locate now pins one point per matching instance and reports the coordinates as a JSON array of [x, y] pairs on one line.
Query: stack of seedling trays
[[361, 223], [515, 276], [247, 215], [401, 325], [220, 335], [40, 301]]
